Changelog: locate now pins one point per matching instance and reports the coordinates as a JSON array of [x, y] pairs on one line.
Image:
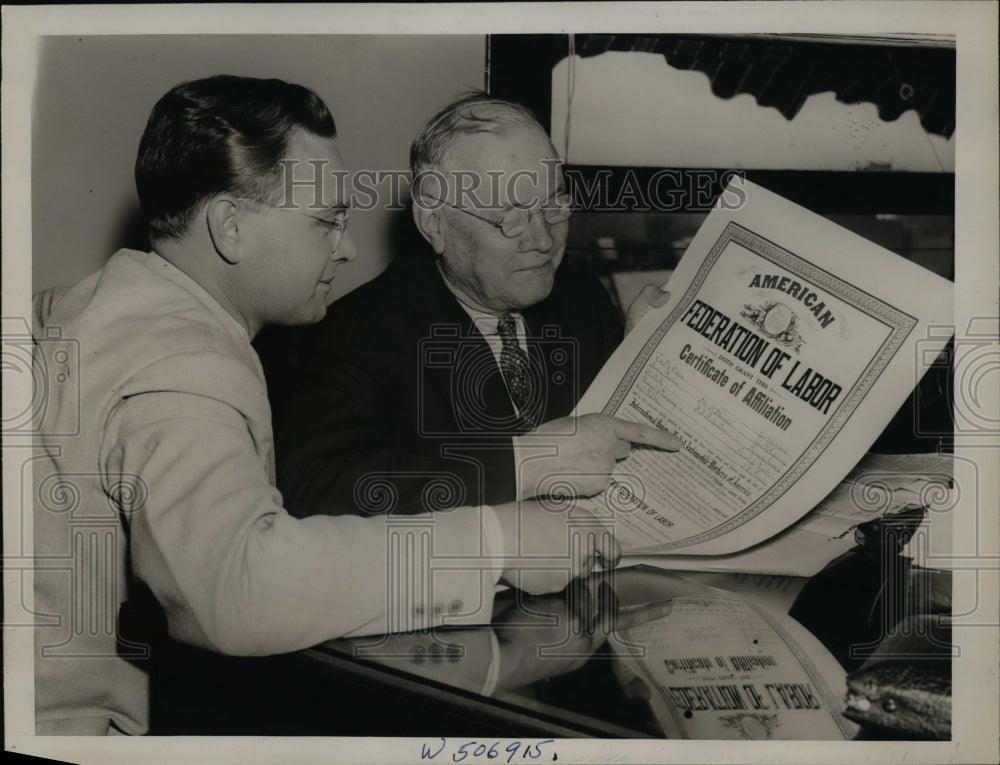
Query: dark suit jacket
[[399, 404]]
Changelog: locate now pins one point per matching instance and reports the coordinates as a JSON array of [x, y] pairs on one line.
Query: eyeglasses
[[555, 209], [335, 228]]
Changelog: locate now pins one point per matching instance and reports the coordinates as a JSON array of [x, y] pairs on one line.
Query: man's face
[[513, 167], [297, 250]]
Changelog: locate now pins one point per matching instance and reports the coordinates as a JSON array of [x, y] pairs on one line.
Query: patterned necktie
[[516, 369]]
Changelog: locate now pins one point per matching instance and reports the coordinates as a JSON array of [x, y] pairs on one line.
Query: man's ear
[[222, 217], [428, 220]]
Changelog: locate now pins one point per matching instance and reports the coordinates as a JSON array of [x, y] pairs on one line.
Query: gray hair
[[473, 112]]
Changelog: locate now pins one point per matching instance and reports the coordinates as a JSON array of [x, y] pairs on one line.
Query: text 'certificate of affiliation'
[[787, 345]]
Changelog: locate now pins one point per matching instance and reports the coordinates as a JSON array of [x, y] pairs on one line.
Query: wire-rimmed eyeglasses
[[335, 227], [514, 222]]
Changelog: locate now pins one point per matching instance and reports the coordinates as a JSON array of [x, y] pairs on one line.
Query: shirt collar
[[483, 319]]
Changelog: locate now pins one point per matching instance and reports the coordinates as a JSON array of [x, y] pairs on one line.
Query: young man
[[157, 466]]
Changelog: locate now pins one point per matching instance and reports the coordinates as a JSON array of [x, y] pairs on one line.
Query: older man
[[448, 379], [156, 467]]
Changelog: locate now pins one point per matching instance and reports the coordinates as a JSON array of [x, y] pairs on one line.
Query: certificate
[[786, 346], [724, 667]]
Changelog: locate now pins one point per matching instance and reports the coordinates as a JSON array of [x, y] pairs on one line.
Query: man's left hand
[[652, 296]]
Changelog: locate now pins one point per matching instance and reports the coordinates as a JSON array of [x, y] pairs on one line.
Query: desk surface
[[556, 667], [562, 678], [375, 687], [556, 671]]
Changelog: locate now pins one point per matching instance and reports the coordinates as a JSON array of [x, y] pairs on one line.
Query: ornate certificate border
[[899, 323]]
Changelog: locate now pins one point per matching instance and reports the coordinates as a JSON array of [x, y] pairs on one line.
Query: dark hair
[[219, 134], [473, 112]]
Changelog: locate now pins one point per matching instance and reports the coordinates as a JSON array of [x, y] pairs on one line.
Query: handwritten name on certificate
[[787, 345]]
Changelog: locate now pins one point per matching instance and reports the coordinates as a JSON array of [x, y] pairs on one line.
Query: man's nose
[[537, 235], [345, 249]]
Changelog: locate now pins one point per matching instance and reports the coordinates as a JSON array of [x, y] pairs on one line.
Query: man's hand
[[542, 637], [531, 624], [547, 546], [652, 296], [586, 450], [596, 608]]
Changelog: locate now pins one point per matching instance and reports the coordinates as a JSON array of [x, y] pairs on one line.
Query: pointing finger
[[626, 618], [647, 435]]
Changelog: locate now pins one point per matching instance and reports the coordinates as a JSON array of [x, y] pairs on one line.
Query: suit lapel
[[556, 356], [454, 357]]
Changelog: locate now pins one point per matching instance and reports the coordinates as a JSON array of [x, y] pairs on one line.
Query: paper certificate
[[720, 667], [787, 345]]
